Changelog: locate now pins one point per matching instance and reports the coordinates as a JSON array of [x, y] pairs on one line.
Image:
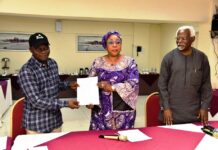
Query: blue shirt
[[41, 86]]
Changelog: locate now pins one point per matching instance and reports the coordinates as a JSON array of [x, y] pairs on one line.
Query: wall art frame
[[89, 43], [13, 41]]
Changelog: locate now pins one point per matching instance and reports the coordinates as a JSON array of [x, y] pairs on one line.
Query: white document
[[87, 92], [186, 127], [3, 142], [208, 143], [134, 135], [27, 141], [39, 148]]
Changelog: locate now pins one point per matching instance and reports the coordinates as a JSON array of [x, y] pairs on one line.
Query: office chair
[[152, 110], [16, 119]]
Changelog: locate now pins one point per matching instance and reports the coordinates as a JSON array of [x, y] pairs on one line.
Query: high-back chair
[[16, 119], [152, 110]]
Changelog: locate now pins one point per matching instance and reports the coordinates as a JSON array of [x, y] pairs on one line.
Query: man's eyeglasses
[[114, 42], [42, 49], [182, 38]]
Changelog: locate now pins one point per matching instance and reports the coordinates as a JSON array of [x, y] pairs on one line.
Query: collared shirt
[[41, 85]]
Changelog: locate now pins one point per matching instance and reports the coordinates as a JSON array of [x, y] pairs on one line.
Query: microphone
[[210, 130], [114, 137]]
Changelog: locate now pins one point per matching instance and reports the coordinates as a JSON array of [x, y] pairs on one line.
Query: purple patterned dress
[[124, 77]]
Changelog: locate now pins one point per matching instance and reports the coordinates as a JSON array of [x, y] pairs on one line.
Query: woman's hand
[[90, 106], [106, 86]]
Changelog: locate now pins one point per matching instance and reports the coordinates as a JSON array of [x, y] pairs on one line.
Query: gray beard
[[180, 48]]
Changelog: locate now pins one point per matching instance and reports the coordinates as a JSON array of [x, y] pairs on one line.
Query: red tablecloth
[[211, 123], [9, 143], [214, 103], [162, 139]]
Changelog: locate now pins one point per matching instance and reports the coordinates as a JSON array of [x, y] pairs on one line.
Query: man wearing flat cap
[[40, 83]]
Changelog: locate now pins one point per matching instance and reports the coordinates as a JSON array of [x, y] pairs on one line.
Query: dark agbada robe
[[185, 85]]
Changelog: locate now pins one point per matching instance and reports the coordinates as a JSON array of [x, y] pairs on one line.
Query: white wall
[[63, 44], [156, 40], [137, 10]]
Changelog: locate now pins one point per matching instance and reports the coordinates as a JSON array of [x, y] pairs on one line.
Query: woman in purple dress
[[118, 81]]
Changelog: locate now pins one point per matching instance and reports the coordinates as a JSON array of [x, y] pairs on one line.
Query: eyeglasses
[[42, 49], [182, 38], [110, 43]]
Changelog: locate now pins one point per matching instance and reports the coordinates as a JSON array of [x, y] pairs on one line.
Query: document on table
[[32, 140], [3, 142], [134, 135], [207, 143], [39, 148], [186, 127], [88, 92]]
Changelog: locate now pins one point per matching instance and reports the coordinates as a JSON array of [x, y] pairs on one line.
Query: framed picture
[[89, 43], [14, 41]]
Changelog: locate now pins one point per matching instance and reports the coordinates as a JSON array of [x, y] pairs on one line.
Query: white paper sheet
[[208, 143], [39, 148], [3, 142], [134, 135], [186, 127], [88, 92], [32, 140]]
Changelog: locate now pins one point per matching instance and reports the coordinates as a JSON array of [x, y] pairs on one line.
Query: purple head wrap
[[107, 35]]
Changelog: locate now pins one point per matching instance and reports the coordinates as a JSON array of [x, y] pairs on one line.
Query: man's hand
[[73, 104], [203, 115], [168, 117], [74, 85]]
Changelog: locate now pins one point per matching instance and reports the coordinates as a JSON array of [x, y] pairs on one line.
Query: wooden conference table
[[162, 139]]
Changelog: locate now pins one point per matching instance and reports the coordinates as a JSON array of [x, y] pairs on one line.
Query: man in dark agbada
[[184, 82]]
